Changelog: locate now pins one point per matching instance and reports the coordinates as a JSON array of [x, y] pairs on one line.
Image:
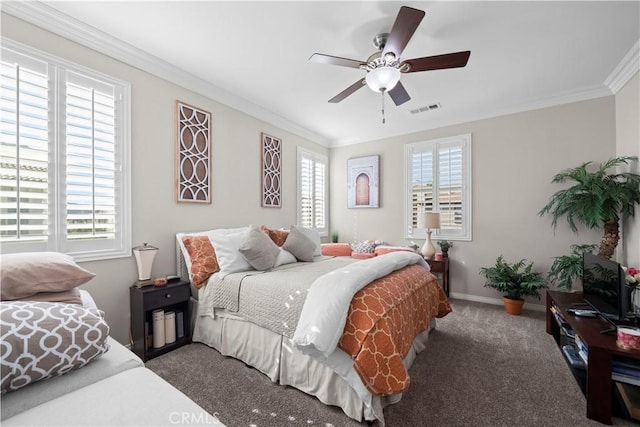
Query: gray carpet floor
[[482, 367]]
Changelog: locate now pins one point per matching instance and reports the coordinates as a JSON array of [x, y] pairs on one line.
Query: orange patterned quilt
[[384, 318]]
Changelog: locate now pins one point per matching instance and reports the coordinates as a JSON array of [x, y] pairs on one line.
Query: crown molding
[[626, 69], [52, 20], [585, 94]]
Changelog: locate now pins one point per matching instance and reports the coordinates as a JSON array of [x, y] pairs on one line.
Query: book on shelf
[[630, 398], [627, 379], [572, 356]]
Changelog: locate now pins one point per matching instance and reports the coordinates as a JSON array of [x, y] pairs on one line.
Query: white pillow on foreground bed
[[227, 247]]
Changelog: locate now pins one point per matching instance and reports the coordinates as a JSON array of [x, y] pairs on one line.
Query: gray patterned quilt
[[272, 299]]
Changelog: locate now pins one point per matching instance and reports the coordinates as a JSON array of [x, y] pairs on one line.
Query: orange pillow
[[203, 258], [360, 255], [278, 236], [381, 250], [336, 249]]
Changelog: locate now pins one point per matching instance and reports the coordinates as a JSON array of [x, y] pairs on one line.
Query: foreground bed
[[269, 321]]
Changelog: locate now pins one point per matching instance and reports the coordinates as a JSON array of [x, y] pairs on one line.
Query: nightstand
[[441, 266], [173, 297]]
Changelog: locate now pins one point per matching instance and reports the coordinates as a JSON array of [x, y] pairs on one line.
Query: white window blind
[[312, 191], [438, 179], [64, 142]]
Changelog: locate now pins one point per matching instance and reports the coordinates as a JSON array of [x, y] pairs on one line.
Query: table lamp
[[428, 220]]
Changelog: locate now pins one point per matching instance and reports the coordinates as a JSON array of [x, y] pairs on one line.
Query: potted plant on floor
[[597, 199], [515, 281], [566, 269]]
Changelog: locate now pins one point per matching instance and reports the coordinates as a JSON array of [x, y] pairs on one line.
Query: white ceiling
[[523, 55]]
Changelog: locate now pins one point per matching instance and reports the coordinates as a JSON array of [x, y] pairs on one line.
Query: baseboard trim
[[494, 301]]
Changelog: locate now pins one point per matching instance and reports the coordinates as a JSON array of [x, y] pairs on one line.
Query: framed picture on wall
[[363, 184], [193, 154]]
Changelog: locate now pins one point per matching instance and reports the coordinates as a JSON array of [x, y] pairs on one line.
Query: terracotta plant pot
[[513, 306]]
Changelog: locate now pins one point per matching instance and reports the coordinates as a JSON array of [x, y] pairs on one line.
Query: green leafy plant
[[566, 269], [515, 280], [445, 244], [334, 237], [597, 199]]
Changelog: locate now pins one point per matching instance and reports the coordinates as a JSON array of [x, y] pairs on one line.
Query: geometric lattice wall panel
[[193, 154], [271, 171]]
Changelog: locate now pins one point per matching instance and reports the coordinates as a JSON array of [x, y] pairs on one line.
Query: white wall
[[156, 216], [628, 144], [514, 159]]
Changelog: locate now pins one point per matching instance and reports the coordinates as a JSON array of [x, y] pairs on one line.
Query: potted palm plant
[[597, 199], [566, 269], [515, 281]]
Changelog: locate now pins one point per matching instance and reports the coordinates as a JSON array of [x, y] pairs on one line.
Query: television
[[604, 287]]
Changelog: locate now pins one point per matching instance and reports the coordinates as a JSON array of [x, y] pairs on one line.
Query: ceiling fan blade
[[348, 91], [406, 24], [438, 62], [336, 60], [399, 94]]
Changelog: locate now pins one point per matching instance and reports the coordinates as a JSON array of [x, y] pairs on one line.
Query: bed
[[291, 322]]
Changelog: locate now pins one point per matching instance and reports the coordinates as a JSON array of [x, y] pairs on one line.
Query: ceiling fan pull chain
[[382, 93]]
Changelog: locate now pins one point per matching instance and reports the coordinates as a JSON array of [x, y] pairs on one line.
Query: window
[[64, 157], [438, 178], [312, 191]]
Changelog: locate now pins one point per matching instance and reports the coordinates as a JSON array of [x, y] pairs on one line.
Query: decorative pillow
[[359, 255], [301, 246], [227, 248], [364, 247], [42, 340], [209, 233], [25, 274], [278, 236], [314, 235], [336, 249], [285, 257], [381, 250], [259, 250], [203, 259], [67, 297]]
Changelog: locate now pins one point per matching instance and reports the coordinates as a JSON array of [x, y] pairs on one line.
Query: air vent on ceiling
[[430, 107]]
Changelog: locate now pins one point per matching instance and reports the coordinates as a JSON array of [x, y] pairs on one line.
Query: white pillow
[[227, 247], [314, 235], [284, 257]]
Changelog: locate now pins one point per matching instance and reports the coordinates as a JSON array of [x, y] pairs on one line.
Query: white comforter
[[325, 309]]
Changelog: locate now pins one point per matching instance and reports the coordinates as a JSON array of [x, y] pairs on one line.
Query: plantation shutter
[[439, 180], [64, 147], [24, 149], [91, 162], [312, 190]]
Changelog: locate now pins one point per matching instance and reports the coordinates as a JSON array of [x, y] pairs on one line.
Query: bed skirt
[[275, 356]]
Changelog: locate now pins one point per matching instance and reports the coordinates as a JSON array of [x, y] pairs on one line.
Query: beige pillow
[[301, 246], [259, 250], [42, 340], [28, 273], [71, 296]]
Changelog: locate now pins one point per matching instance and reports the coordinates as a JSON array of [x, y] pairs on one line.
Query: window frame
[[315, 157], [91, 249], [463, 141]]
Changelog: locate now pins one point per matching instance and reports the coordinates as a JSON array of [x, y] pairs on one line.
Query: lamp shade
[[383, 79], [429, 220]]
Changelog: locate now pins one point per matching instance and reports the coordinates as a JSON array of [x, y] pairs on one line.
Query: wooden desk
[[602, 350], [441, 266]]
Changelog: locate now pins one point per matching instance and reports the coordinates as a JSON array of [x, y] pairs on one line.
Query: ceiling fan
[[384, 67]]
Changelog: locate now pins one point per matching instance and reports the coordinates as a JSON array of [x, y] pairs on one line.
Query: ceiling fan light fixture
[[383, 79]]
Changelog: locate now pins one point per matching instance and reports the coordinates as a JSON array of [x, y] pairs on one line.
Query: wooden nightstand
[[143, 301], [441, 266]]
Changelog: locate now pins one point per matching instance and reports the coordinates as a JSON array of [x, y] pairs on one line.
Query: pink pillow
[[28, 273], [336, 249], [360, 255], [381, 250]]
